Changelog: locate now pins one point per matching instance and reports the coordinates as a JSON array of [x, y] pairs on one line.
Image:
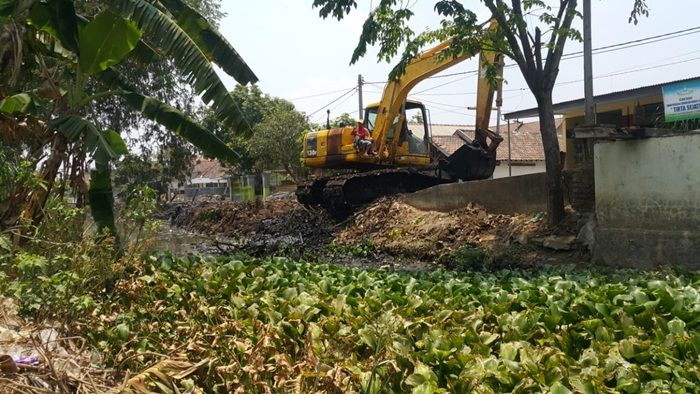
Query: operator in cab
[[363, 140]]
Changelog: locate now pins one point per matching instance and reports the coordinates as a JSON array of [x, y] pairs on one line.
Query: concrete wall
[[501, 170], [517, 194], [648, 201]]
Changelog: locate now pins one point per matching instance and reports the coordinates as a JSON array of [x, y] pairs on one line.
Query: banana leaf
[[163, 32], [181, 124], [210, 41], [105, 41]]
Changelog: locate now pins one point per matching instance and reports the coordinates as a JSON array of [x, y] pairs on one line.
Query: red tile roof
[[448, 143], [526, 142], [207, 168]]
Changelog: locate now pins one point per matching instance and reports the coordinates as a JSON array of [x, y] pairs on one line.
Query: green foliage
[[277, 128], [74, 64], [19, 103], [136, 218], [102, 199], [164, 32], [105, 146], [182, 125], [466, 258], [8, 172], [268, 322], [363, 248], [210, 41], [275, 143], [105, 41], [343, 120]]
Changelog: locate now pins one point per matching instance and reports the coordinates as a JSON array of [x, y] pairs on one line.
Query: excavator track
[[340, 195]]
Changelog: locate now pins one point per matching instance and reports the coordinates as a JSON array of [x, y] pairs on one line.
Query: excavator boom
[[404, 162], [424, 66]]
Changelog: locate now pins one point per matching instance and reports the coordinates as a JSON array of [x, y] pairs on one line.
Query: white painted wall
[[651, 183], [501, 170]]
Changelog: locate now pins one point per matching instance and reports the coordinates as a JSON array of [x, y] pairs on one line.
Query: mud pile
[[401, 229], [257, 228], [378, 234]]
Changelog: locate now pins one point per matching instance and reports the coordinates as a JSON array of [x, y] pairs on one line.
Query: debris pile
[[38, 360], [257, 228], [388, 227], [401, 229]]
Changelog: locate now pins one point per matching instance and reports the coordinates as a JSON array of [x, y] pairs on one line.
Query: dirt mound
[[382, 230], [402, 229], [229, 219]]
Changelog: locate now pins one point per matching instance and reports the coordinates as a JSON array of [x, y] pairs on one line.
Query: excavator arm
[[423, 66]]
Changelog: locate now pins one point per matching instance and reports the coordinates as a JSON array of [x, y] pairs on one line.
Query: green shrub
[[466, 258]]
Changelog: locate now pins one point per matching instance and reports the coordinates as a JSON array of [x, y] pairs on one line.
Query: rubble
[[37, 359], [559, 242]]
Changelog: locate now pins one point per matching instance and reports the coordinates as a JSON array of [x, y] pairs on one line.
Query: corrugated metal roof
[[608, 98]]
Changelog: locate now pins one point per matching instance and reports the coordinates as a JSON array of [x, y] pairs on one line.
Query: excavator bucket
[[468, 163]]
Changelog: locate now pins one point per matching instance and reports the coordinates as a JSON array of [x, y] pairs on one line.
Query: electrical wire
[[626, 71], [596, 51], [332, 102], [320, 118], [319, 94], [638, 42]]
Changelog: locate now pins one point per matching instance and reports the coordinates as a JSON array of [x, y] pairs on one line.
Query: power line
[[332, 102], [596, 51], [318, 94], [641, 41], [626, 71], [338, 105]]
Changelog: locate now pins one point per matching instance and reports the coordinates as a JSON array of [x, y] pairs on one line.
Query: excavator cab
[[412, 147]]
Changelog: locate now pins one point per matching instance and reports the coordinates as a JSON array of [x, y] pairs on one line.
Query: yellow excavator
[[405, 162]]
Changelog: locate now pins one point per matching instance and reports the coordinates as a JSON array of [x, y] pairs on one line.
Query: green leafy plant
[[277, 325], [466, 258]]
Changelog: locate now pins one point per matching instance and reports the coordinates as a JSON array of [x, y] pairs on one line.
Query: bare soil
[[386, 233]]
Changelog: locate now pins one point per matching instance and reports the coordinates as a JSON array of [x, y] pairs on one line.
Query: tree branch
[[552, 66], [552, 40], [517, 54], [522, 33]]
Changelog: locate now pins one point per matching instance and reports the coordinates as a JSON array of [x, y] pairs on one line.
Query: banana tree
[[86, 50]]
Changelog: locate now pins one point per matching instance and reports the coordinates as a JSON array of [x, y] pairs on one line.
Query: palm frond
[[215, 47], [105, 145], [181, 124], [164, 33]]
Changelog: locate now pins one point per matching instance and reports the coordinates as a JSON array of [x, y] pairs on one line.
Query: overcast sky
[[297, 54]]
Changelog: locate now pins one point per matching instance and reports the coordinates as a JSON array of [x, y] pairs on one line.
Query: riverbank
[[387, 233]]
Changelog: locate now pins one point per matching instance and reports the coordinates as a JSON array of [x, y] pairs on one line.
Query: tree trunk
[[34, 211], [258, 190], [291, 173], [548, 130]]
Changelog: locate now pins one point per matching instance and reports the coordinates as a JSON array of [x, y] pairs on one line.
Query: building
[[526, 152], [638, 107], [639, 165], [208, 178]]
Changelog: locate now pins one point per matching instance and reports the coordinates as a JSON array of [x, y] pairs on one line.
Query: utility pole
[[510, 165], [360, 81], [588, 63], [499, 93]]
